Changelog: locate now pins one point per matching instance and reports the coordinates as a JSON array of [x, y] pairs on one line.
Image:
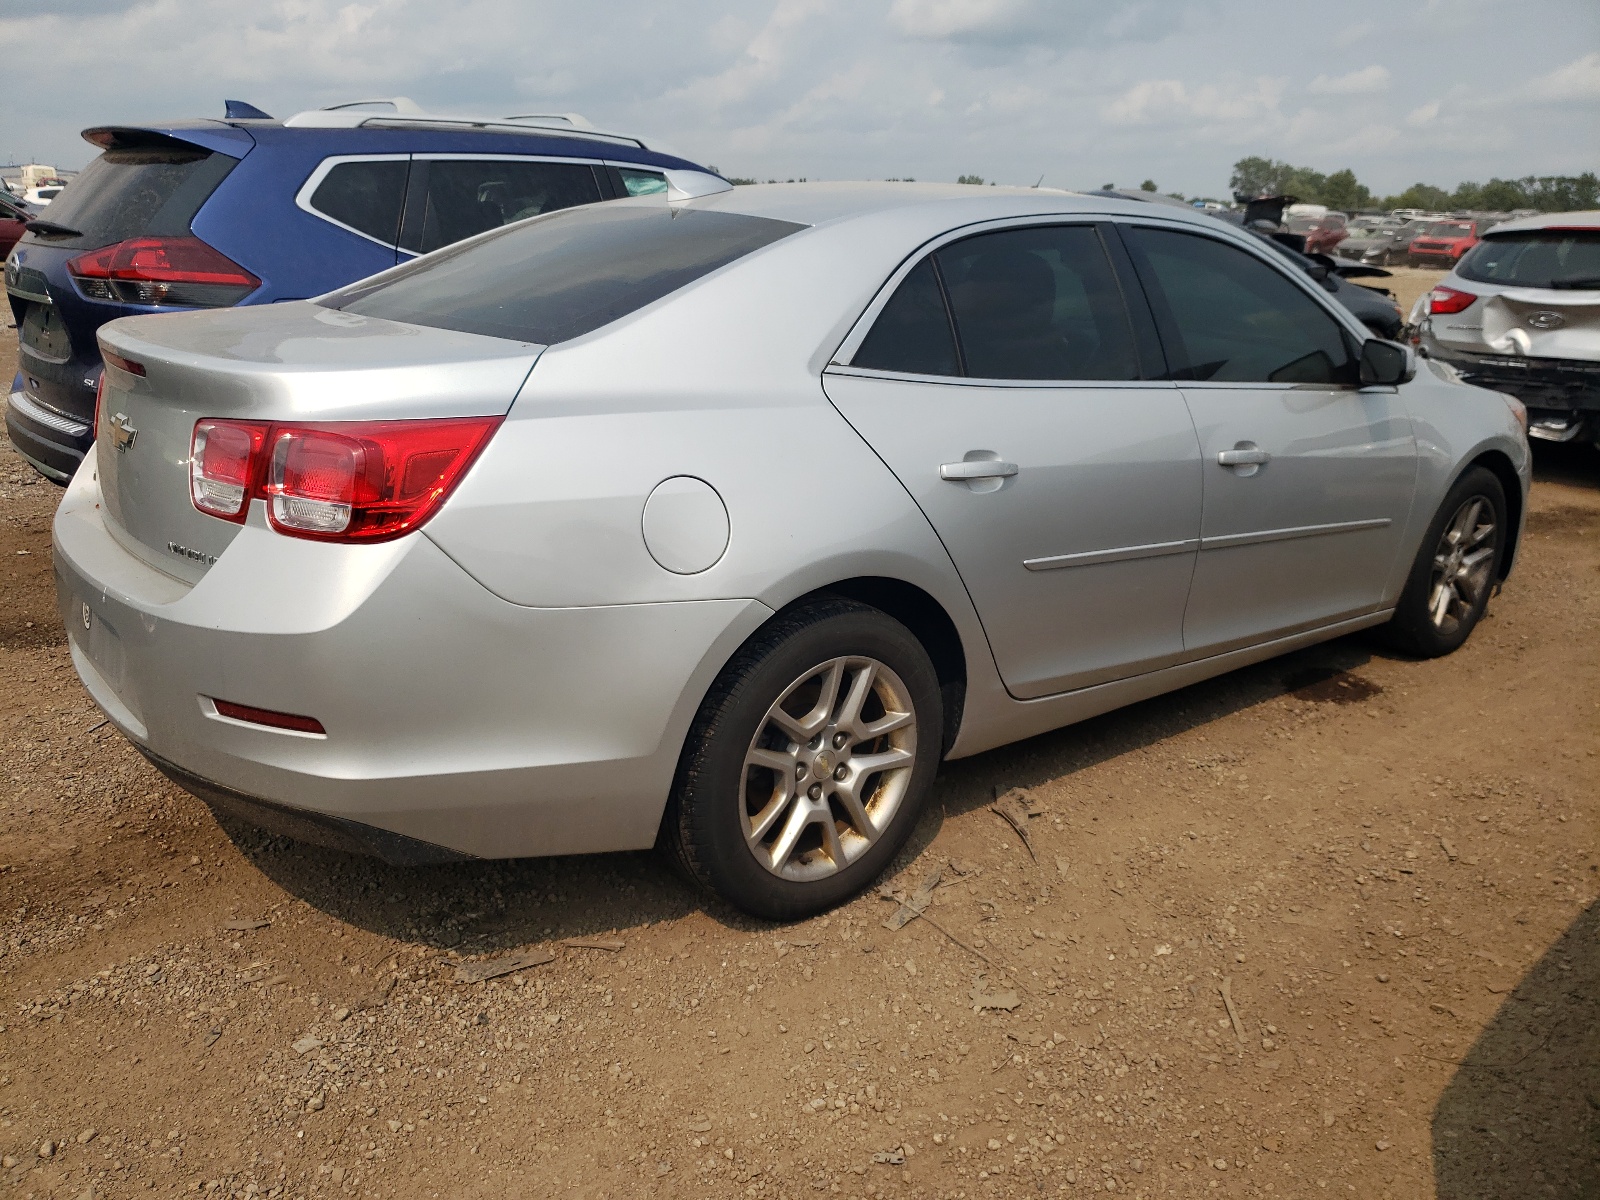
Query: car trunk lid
[[1543, 323], [287, 362]]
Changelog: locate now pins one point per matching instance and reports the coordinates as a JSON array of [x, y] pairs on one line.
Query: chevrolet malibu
[[719, 523]]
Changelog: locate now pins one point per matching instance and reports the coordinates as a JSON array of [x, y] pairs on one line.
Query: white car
[[41, 195], [721, 521], [1520, 313]]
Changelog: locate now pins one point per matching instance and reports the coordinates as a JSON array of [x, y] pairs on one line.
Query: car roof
[[957, 203], [1588, 219]]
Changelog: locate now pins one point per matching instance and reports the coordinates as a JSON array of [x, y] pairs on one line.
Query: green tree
[[1343, 190], [1501, 195], [977, 179], [1562, 193], [1419, 195], [1149, 185], [1467, 195], [1108, 187]]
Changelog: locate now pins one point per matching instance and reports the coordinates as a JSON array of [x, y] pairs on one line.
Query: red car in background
[[14, 216], [1323, 234], [1444, 242]]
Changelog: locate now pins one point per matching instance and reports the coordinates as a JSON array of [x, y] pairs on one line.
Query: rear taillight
[[162, 270], [224, 459], [1445, 300], [347, 481]]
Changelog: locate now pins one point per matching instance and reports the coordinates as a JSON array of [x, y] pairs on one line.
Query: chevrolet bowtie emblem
[[122, 433]]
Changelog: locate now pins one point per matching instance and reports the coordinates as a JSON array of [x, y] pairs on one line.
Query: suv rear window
[[565, 275], [1541, 258], [133, 191]]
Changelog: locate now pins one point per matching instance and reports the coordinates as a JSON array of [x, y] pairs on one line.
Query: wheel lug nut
[[815, 791], [816, 742], [839, 739], [799, 770], [840, 772]]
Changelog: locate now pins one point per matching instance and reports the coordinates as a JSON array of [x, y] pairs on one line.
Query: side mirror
[[1386, 363]]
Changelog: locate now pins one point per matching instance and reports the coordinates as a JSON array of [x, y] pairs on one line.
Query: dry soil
[[1324, 927]]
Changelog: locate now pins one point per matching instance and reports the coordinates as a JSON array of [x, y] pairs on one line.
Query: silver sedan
[[719, 522]]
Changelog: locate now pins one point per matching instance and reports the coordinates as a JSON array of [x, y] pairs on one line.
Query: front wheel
[[809, 762], [1449, 586]]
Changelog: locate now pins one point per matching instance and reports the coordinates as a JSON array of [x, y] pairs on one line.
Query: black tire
[[1415, 629], [709, 812]]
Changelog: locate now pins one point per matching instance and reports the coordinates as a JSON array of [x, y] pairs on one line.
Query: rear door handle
[[1252, 456], [977, 468]]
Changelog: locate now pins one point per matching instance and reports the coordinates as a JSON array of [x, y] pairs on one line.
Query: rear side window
[[366, 195], [468, 197], [1224, 315], [564, 276], [127, 193], [642, 183], [1036, 303], [1541, 258]]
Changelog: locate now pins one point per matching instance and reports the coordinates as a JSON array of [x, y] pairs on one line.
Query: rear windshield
[[1549, 258], [564, 275], [128, 193], [1449, 229]]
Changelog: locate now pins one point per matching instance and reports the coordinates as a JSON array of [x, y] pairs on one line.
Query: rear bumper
[[1550, 384], [457, 724], [53, 442]]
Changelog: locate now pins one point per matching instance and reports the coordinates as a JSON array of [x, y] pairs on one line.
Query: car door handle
[[1252, 456], [977, 468]]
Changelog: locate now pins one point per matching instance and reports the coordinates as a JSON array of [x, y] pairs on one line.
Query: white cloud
[[1171, 101], [1578, 80], [939, 19], [1423, 114], [1364, 82]]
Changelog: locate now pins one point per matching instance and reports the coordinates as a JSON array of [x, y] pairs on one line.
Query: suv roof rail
[[401, 112]]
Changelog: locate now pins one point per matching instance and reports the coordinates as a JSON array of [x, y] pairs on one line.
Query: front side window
[[1224, 315], [366, 195], [1541, 258], [1037, 303], [473, 196], [556, 279]]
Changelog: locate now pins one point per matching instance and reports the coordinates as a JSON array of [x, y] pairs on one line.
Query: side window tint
[[1235, 319], [365, 195], [1038, 303], [912, 333], [473, 196], [642, 183]]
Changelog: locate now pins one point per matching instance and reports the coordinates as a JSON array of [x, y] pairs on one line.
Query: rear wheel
[[809, 762], [1449, 586]]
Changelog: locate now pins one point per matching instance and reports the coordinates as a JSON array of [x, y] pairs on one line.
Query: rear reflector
[[162, 270], [122, 364], [1443, 301], [345, 481], [267, 716]]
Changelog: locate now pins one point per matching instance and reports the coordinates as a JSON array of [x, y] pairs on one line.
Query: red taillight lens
[[364, 481], [99, 397], [1445, 300], [162, 270], [224, 458]]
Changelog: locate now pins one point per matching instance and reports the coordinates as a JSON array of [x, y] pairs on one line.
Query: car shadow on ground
[[1570, 463], [484, 906], [1521, 1117]]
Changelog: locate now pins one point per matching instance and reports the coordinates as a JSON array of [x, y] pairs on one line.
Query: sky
[[1077, 93]]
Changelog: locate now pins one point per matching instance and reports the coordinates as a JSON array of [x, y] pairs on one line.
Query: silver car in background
[[1521, 313], [720, 522]]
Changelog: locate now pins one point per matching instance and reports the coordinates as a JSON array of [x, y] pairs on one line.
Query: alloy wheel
[[828, 768], [1461, 564]]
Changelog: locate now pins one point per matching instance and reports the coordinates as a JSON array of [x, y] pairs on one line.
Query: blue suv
[[252, 210]]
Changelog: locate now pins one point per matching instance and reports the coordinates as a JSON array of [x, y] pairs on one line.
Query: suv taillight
[[345, 481], [1443, 301], [162, 270]]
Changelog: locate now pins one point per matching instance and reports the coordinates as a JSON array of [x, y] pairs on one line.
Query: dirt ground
[[1326, 926]]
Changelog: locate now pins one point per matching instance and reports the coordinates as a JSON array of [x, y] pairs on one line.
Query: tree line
[[1256, 176]]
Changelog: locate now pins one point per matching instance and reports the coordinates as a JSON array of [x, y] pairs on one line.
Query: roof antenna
[[238, 110], [1041, 180]]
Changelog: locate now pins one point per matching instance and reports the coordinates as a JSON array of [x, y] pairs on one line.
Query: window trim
[[302, 198], [1355, 332], [838, 363]]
